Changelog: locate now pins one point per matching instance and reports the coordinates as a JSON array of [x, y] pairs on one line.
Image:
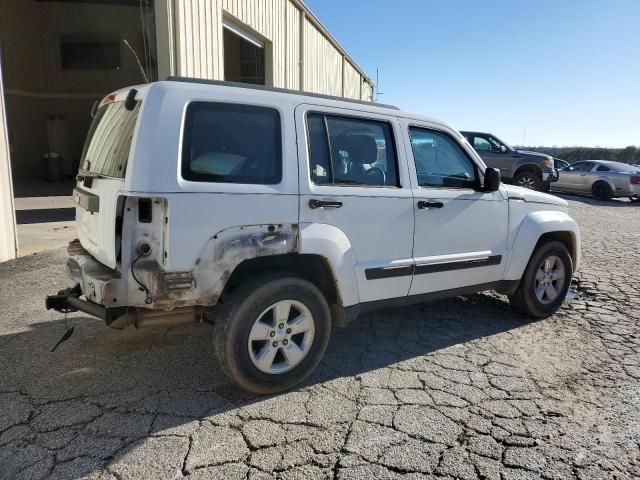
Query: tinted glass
[[603, 168], [582, 166], [351, 151], [106, 149], [440, 161], [480, 143], [623, 167], [232, 143]]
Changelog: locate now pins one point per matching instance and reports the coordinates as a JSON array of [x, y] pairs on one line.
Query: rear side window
[[232, 143], [106, 150], [351, 151], [603, 168]]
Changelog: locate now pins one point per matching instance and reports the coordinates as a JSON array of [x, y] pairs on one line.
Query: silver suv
[[523, 168]]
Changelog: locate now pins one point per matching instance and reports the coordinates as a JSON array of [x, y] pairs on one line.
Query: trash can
[[53, 167]]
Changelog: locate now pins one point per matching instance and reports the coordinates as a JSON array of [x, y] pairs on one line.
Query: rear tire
[[544, 286], [602, 191], [527, 179], [258, 306]]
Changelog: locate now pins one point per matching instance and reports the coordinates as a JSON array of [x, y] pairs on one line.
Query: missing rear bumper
[[68, 300]]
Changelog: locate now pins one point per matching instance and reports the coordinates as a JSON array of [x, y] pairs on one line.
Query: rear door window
[[106, 150], [351, 151], [232, 143]]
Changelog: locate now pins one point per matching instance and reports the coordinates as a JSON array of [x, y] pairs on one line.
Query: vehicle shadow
[[614, 202], [105, 391]]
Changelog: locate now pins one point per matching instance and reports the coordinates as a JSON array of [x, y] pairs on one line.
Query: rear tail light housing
[[635, 180]]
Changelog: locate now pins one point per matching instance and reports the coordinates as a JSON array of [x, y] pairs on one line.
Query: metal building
[[57, 57]]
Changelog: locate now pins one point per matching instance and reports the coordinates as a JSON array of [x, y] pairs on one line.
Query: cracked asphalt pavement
[[464, 388]]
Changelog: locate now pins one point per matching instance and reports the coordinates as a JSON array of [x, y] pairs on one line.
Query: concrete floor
[[44, 216]]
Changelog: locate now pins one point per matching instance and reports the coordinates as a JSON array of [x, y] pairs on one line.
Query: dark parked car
[[523, 168]]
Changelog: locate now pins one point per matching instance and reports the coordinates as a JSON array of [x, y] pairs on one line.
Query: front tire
[[527, 179], [272, 332], [545, 282]]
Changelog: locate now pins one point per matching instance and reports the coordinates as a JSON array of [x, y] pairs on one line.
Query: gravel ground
[[463, 388]]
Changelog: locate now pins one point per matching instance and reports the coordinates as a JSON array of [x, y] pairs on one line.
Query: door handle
[[315, 203], [427, 204]]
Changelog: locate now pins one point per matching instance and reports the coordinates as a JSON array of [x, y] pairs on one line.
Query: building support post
[[303, 17], [8, 239], [165, 38], [344, 60]]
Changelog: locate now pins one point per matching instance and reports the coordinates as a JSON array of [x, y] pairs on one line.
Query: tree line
[[629, 154]]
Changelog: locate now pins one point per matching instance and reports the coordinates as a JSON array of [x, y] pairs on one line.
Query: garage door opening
[[244, 55], [59, 58]]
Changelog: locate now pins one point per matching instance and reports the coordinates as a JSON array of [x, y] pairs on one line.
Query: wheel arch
[[323, 255], [603, 180], [528, 167], [539, 227], [314, 268]]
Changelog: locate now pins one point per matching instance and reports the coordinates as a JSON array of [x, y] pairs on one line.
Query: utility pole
[[524, 136]]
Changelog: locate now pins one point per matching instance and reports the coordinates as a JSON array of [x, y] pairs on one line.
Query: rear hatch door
[[101, 177]]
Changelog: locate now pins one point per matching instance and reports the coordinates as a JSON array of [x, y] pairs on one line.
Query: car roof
[[276, 89], [296, 95], [469, 132]]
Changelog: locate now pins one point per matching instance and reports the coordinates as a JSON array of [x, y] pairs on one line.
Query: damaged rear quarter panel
[[219, 257]]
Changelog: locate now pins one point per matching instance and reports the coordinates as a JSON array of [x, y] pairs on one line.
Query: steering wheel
[[379, 174]]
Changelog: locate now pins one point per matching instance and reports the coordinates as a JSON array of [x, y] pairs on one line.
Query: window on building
[[244, 55], [351, 151], [90, 52], [440, 161], [232, 143]]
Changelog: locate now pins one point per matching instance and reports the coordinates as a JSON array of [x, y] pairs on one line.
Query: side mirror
[[491, 180]]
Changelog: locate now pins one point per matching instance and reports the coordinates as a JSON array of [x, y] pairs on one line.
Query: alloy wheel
[[281, 337], [549, 279], [527, 181]]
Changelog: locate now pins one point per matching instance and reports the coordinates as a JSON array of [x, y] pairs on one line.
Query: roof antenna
[[144, 75], [378, 92]]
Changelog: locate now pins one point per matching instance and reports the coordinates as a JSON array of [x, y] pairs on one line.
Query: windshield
[[106, 150]]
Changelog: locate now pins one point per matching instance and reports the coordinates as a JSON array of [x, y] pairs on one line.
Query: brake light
[[108, 99], [635, 180]]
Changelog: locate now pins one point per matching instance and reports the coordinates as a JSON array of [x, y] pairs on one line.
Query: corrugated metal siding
[[367, 91], [351, 81], [200, 48], [292, 60], [322, 63]]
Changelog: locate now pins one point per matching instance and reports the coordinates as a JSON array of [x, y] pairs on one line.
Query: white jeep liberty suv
[[279, 214]]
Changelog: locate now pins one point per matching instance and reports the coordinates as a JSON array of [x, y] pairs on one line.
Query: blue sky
[[567, 70]]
